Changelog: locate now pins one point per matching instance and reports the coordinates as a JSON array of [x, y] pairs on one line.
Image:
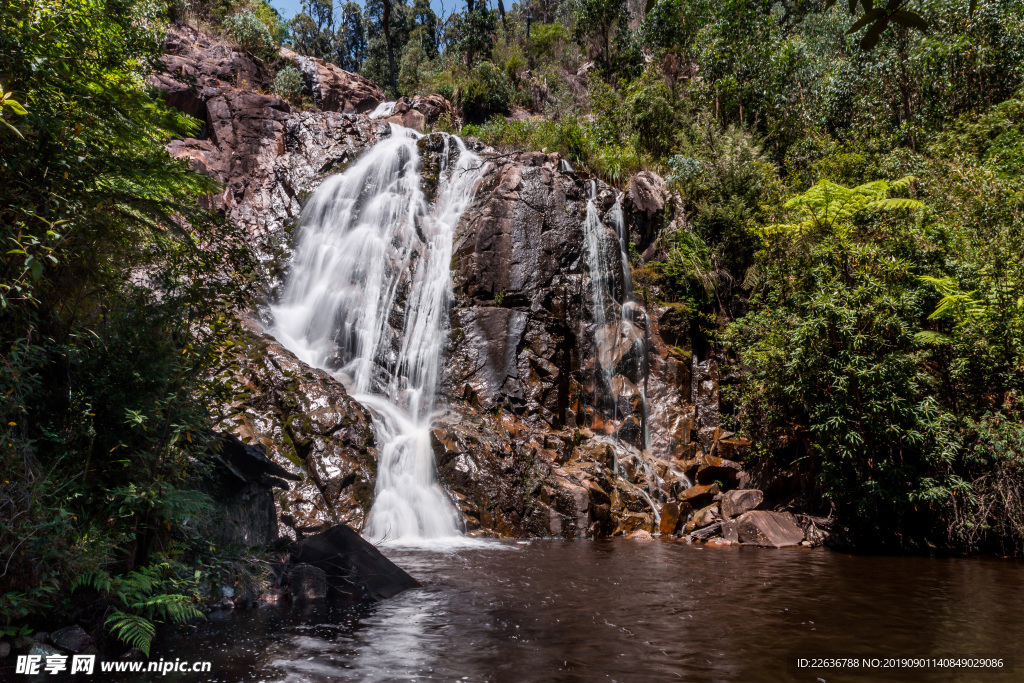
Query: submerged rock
[[306, 582], [352, 567]]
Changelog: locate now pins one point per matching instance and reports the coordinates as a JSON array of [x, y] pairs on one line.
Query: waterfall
[[611, 334], [383, 109], [367, 299]]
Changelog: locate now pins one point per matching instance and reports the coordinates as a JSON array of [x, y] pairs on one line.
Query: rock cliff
[[564, 416]]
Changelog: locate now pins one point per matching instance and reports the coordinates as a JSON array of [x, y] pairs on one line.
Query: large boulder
[[333, 88], [420, 111], [647, 193], [735, 503], [352, 567], [71, 639], [311, 430], [770, 529]]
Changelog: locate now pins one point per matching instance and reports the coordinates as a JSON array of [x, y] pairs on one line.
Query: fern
[[828, 205], [144, 596], [928, 338], [98, 580], [132, 629], [961, 306], [895, 204]]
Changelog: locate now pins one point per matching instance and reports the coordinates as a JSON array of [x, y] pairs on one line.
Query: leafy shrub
[[250, 33], [547, 41], [289, 84], [487, 91]]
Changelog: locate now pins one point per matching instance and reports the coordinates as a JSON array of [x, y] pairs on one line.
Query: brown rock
[[647, 193], [770, 529], [700, 495], [670, 514], [730, 530], [641, 535], [735, 503], [703, 517], [718, 543], [335, 89], [706, 532], [636, 521]]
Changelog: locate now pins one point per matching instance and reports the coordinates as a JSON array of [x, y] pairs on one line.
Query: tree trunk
[[501, 11], [391, 49]]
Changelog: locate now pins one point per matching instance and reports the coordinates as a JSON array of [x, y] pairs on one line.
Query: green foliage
[[289, 84], [7, 102], [486, 92], [115, 285], [141, 601], [250, 33]]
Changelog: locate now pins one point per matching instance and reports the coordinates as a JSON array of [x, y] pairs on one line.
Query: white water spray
[[367, 299]]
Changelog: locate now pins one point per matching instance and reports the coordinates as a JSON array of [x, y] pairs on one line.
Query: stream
[[625, 610]]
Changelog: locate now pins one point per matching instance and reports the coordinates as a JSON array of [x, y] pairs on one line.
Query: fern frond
[[876, 189], [929, 338], [752, 278], [895, 204], [132, 629], [945, 285], [99, 580], [174, 607], [964, 304], [902, 185]]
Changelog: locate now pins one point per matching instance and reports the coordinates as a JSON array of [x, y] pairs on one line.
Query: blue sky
[[289, 8]]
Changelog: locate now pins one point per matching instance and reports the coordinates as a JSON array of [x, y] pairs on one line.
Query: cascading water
[[624, 327], [610, 336], [383, 109], [367, 299]]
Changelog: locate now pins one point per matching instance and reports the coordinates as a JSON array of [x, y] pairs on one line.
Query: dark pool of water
[[621, 610]]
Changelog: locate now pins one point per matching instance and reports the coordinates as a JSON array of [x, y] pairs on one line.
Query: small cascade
[[629, 325], [600, 275], [383, 109], [621, 335], [367, 299]]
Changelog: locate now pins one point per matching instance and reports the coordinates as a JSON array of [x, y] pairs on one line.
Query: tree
[[350, 39], [596, 22]]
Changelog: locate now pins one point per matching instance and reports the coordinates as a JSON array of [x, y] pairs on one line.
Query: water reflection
[[628, 611]]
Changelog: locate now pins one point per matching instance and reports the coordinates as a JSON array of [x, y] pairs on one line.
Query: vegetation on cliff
[[845, 223], [113, 298]]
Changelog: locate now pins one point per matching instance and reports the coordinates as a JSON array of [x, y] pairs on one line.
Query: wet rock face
[[268, 156], [312, 429], [519, 292]]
